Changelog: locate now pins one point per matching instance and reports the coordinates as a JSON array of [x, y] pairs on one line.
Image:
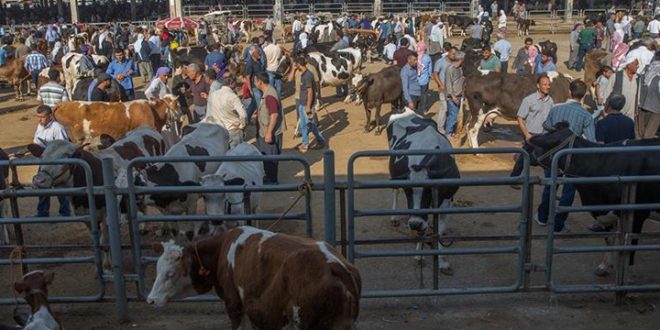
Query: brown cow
[[593, 61], [14, 72], [35, 287], [273, 279], [86, 121]]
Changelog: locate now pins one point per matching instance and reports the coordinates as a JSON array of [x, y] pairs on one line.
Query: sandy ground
[[342, 125]]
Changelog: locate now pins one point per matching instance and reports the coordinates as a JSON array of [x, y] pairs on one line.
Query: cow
[[494, 94], [523, 25], [235, 174], [201, 139], [195, 55], [141, 142], [71, 66], [376, 89], [14, 72], [86, 121], [4, 172], [337, 69], [116, 92], [324, 32], [267, 280], [599, 165], [594, 60], [461, 22], [410, 131], [34, 287]]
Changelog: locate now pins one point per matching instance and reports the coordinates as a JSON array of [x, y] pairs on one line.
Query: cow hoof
[[378, 131], [447, 271], [394, 222], [600, 272]]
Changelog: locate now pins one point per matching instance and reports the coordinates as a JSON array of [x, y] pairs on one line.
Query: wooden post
[[568, 14], [278, 13], [378, 8], [74, 11]]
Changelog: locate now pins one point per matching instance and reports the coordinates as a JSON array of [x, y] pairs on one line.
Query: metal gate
[[519, 248], [304, 188]]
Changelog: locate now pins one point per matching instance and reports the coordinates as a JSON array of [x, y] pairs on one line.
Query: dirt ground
[[342, 125]]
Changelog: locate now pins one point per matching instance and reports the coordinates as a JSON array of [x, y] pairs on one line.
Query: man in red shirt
[[270, 125], [401, 54]]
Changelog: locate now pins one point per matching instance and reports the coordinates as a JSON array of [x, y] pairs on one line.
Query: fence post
[[112, 221], [569, 11], [624, 226], [378, 8], [329, 191]]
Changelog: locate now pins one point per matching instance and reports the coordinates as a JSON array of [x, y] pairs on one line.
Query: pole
[[278, 13], [112, 220], [624, 226], [329, 191], [378, 8], [13, 203], [568, 16], [74, 11]]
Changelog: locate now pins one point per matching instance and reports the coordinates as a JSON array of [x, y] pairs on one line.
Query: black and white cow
[[235, 174], [597, 165], [336, 69], [201, 139], [71, 64], [143, 141], [116, 91], [410, 131]]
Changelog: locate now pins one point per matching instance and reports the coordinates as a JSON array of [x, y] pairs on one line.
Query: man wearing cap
[[225, 108], [625, 82], [99, 93], [122, 70], [503, 50], [86, 65]]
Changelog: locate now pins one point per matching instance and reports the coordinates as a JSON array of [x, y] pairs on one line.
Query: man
[[649, 100], [154, 44], [99, 93], [202, 31], [142, 56], [52, 92], [158, 86], [199, 88], [3, 54], [503, 50], [252, 68], [546, 64], [454, 86], [410, 84], [34, 63], [215, 56], [389, 50], [384, 33], [439, 72], [639, 27], [52, 35], [615, 126], [489, 61], [424, 73], [305, 106], [212, 80], [610, 29], [122, 69], [533, 111], [476, 31], [225, 108], [654, 27], [297, 28], [86, 66], [436, 41], [21, 48], [273, 54], [401, 54], [582, 124], [269, 25], [626, 83], [644, 54], [270, 125], [521, 63], [50, 130], [587, 40]]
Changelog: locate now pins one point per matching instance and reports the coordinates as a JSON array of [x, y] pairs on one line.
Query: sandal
[[302, 148]]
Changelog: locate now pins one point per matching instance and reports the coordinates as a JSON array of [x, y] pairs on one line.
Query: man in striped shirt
[[52, 92], [34, 63]]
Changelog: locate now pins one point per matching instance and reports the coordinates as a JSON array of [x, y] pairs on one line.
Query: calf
[[523, 25], [461, 22], [87, 121], [494, 94], [376, 89], [14, 72], [235, 174], [410, 131], [34, 286], [202, 139], [597, 165], [266, 280]]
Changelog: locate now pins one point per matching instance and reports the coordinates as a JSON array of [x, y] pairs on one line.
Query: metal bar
[[456, 251], [442, 292], [112, 221], [50, 261], [342, 220], [604, 288], [53, 219], [15, 212], [608, 248], [329, 196], [525, 229], [625, 207], [285, 187], [470, 181], [457, 210], [225, 217]]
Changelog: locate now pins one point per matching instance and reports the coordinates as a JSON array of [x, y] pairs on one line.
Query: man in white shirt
[[389, 49], [503, 50], [273, 54], [644, 54], [226, 109], [297, 29], [654, 27], [50, 130]]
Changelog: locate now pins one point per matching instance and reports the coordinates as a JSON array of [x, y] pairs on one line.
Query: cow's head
[[54, 175], [284, 66], [173, 113], [172, 274], [223, 203], [545, 146]]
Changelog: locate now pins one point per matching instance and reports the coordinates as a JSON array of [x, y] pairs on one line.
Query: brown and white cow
[[34, 286], [492, 94], [85, 121], [143, 142], [14, 72], [268, 280]]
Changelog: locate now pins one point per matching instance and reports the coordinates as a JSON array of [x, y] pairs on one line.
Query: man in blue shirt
[[582, 124], [615, 126], [546, 64], [423, 77], [34, 63], [122, 69], [215, 56], [410, 84], [439, 72]]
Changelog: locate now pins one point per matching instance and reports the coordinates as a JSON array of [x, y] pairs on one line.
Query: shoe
[[598, 228], [303, 148], [542, 224]]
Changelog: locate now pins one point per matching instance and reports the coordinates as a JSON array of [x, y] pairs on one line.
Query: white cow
[[338, 68], [71, 66]]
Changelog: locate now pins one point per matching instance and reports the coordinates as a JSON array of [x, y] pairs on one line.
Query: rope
[[302, 190], [17, 252]]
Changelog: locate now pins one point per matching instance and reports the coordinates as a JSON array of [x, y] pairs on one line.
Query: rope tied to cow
[[303, 189], [18, 252]]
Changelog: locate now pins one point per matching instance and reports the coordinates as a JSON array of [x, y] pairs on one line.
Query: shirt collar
[[541, 97]]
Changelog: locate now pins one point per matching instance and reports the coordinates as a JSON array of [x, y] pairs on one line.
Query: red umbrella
[[174, 23]]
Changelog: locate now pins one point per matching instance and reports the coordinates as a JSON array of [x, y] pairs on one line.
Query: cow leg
[[379, 127], [443, 264], [473, 132], [105, 241], [367, 125], [394, 220], [605, 267]]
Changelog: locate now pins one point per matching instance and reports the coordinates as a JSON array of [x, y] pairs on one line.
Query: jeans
[[43, 207], [276, 83], [155, 62], [35, 78], [581, 53], [567, 196], [307, 125], [423, 99], [441, 117], [519, 165], [504, 66], [146, 72], [198, 112], [452, 115], [130, 94], [254, 103], [275, 148]]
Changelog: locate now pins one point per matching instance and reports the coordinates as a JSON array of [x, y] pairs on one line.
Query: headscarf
[[163, 70], [576, 26], [421, 50], [56, 49], [138, 43], [303, 40], [84, 49], [619, 55], [652, 71]]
